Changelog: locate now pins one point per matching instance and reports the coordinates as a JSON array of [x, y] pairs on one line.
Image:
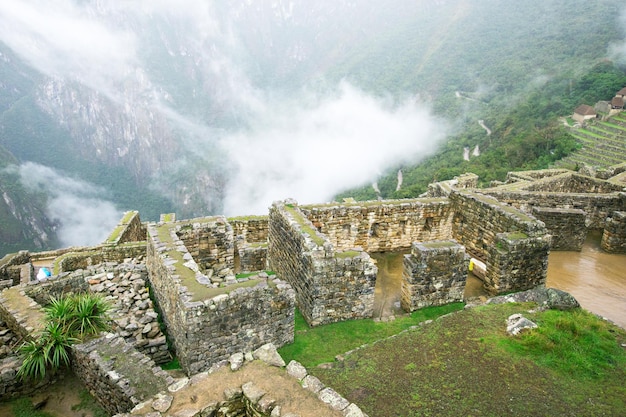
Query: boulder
[[516, 323]]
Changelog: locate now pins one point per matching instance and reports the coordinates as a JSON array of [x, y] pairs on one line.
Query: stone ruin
[[214, 289]]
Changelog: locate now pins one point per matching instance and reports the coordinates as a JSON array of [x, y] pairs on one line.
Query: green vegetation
[[24, 407], [69, 320], [465, 364], [347, 254], [88, 403], [316, 345], [574, 344], [171, 365], [304, 225]]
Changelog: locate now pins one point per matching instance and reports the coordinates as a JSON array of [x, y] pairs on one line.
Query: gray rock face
[[561, 300], [544, 297], [296, 370], [516, 323]]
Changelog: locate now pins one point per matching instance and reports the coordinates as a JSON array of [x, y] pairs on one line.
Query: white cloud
[[84, 217], [311, 152]]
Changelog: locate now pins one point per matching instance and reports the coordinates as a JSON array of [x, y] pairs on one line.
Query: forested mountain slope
[[222, 107]]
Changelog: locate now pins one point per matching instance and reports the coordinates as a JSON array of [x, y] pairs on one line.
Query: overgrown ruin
[[210, 290]]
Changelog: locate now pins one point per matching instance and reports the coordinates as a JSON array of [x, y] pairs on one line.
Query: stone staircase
[[603, 144]]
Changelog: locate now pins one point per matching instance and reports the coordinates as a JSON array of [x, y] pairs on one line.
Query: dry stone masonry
[[315, 255]]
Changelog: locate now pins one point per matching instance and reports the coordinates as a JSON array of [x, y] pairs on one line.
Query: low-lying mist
[[84, 216], [313, 148]]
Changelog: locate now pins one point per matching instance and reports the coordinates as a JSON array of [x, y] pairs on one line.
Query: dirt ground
[[280, 386], [59, 399]]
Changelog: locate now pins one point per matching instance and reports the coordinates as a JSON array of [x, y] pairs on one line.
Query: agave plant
[[34, 362], [68, 320], [61, 310], [90, 314]]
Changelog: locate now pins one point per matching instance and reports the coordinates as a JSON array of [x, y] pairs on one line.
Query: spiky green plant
[[69, 320], [90, 314], [34, 362]]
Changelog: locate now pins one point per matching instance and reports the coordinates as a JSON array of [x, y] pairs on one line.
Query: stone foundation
[[434, 274], [117, 375]]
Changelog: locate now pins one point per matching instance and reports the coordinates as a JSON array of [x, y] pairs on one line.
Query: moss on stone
[[347, 254], [304, 226]]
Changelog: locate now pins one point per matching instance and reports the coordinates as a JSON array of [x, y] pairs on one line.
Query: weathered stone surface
[[162, 403], [516, 323], [236, 360], [268, 354], [353, 410], [333, 399], [561, 300], [252, 392], [296, 370], [312, 383]]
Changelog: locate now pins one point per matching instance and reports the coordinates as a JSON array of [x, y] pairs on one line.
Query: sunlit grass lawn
[[313, 346]]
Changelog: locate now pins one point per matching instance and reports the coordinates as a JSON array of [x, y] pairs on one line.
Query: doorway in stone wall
[[388, 290]]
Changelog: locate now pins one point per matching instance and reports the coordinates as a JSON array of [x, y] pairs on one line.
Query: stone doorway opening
[[388, 290]]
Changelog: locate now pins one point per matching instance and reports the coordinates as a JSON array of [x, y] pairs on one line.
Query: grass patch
[[304, 225], [347, 254], [466, 365], [23, 407], [89, 403], [316, 345], [573, 343], [171, 365]]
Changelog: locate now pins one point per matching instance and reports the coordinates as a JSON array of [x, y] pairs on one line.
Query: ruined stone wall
[[82, 258], [434, 274], [330, 286], [570, 182], [596, 206], [516, 262], [129, 229], [250, 243], [566, 226], [207, 322], [10, 266], [614, 236], [116, 374], [513, 245], [382, 226], [210, 242], [479, 218]]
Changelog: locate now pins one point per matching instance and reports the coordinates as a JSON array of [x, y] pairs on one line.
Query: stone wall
[[570, 182], [597, 207], [566, 226], [250, 243], [129, 229], [210, 242], [483, 226], [434, 274], [10, 266], [330, 286], [82, 258], [116, 374], [516, 262], [614, 236], [390, 225], [206, 322]]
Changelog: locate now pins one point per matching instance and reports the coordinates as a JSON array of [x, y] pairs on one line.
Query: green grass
[[171, 365], [304, 225], [23, 407], [465, 364], [347, 254], [571, 343], [316, 345]]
